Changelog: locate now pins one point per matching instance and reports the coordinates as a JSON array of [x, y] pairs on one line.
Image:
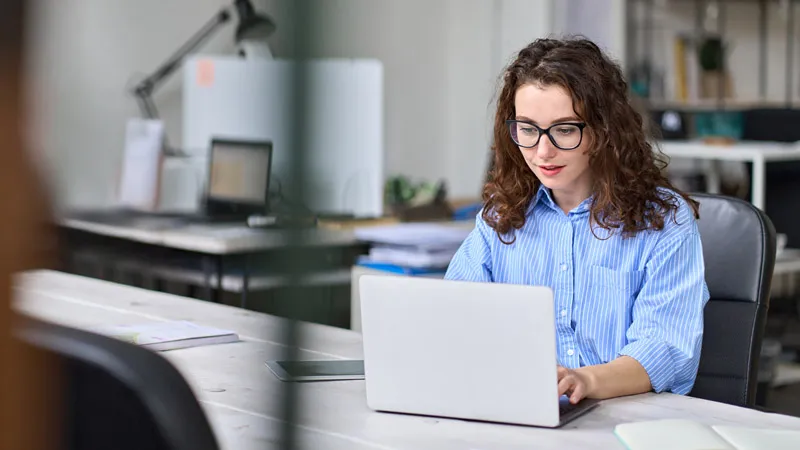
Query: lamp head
[[252, 26]]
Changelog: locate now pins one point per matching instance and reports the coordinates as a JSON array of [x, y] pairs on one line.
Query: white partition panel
[[253, 99]]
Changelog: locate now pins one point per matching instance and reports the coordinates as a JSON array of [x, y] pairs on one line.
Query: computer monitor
[[238, 177]]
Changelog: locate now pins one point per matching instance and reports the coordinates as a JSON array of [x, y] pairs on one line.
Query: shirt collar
[[544, 196]]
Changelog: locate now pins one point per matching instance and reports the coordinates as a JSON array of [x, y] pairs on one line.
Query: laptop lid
[[480, 351], [238, 177]]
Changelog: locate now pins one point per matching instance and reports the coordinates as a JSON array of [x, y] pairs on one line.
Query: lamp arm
[[145, 88]]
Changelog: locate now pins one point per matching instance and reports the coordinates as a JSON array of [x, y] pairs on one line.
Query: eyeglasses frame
[[546, 131]]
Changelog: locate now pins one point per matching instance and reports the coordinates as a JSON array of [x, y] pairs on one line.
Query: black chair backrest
[[739, 251], [118, 395]]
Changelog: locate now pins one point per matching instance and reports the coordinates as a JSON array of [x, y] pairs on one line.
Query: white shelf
[[713, 104], [739, 151], [786, 373]]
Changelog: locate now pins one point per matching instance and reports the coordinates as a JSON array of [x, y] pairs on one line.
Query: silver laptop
[[475, 351]]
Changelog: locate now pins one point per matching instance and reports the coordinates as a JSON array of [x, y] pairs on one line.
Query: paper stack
[[411, 248]]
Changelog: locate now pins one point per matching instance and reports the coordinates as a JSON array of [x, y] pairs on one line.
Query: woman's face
[[565, 172]]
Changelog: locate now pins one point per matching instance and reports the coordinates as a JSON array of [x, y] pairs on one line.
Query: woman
[[577, 201]]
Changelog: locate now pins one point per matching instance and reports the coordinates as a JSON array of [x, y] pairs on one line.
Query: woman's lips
[[550, 169]]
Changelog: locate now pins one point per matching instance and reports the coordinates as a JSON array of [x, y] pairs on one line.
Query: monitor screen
[[239, 171]]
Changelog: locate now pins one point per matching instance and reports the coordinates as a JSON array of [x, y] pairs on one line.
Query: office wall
[[442, 59], [82, 54], [602, 21]]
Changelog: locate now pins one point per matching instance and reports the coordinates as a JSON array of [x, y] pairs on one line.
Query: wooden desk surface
[[333, 415]]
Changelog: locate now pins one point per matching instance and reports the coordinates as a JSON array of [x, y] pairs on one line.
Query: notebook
[[141, 164], [674, 434], [170, 335]]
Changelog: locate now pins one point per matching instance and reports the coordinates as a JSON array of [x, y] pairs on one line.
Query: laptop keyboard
[[565, 408], [567, 411]]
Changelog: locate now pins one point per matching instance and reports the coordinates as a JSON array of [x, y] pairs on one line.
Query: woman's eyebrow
[[559, 120]]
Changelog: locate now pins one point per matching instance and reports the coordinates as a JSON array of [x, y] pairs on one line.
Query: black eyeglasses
[[565, 135]]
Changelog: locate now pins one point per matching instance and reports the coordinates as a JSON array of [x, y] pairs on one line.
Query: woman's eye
[[565, 130], [528, 130]]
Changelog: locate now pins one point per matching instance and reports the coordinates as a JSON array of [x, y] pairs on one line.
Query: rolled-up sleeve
[[473, 259], [666, 331]]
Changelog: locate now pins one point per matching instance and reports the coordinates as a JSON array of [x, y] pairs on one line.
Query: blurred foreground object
[[30, 400], [118, 395]]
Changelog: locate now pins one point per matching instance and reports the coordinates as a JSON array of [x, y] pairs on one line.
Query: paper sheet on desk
[[411, 257], [141, 164], [429, 236]]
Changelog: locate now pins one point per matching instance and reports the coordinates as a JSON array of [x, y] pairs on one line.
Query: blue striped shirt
[[641, 296]]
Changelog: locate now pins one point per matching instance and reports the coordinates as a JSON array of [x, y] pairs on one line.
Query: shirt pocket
[[604, 311], [624, 282]]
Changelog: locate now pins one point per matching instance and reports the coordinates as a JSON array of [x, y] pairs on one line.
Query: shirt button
[[563, 267], [570, 352], [563, 313]]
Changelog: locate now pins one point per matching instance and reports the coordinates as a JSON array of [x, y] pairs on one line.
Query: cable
[[299, 207]]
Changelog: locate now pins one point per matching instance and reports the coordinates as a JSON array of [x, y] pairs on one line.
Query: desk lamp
[[252, 27]]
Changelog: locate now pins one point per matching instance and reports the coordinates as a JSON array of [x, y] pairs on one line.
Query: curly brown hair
[[627, 172]]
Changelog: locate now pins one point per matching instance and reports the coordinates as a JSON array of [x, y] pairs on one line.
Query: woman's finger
[[566, 384], [562, 372], [578, 392]]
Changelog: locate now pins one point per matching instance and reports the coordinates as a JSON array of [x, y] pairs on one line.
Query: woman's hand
[[622, 376], [576, 384]]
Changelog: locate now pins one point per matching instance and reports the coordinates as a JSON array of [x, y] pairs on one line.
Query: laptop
[[237, 191], [474, 351], [238, 180]]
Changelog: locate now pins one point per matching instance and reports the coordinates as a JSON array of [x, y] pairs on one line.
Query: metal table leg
[[208, 269], [245, 280], [218, 295]]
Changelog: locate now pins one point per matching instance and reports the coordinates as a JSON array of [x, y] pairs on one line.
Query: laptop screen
[[239, 172]]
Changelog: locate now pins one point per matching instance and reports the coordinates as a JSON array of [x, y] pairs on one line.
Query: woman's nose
[[546, 149]]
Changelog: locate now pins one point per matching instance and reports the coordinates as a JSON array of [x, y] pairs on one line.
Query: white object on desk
[[748, 438], [758, 153], [168, 335], [450, 348], [411, 257], [426, 236], [673, 434], [355, 299], [254, 99], [141, 164], [241, 397], [682, 434]]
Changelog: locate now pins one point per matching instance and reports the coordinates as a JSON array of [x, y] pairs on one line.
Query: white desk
[[214, 256], [758, 153], [333, 415], [216, 239]]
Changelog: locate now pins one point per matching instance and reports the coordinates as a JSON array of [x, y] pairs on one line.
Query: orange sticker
[[205, 73]]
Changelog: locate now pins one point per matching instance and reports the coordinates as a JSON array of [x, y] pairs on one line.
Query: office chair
[[739, 246], [118, 395]]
